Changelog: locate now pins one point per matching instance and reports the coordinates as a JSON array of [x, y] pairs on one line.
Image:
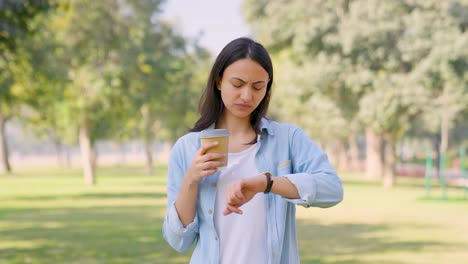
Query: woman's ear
[[218, 83]]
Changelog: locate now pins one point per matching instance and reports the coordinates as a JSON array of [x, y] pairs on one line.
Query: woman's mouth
[[243, 106]]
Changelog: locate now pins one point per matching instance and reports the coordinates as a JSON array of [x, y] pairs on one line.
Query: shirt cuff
[[306, 187], [176, 225]]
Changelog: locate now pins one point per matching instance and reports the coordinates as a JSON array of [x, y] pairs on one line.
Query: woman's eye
[[237, 85], [258, 88]]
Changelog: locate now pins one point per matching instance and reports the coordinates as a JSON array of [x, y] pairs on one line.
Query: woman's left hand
[[242, 191]]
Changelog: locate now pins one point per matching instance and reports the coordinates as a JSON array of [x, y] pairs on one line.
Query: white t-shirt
[[242, 238]]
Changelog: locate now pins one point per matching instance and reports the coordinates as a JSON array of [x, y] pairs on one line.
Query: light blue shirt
[[285, 150]]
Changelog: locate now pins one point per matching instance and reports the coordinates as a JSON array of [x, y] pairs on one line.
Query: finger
[[232, 209], [212, 156], [205, 148], [212, 165], [208, 172], [232, 200], [239, 195], [234, 194]]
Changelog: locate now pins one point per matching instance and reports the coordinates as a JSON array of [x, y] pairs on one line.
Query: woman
[[246, 212]]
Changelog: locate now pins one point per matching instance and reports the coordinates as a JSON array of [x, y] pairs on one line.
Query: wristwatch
[[269, 182]]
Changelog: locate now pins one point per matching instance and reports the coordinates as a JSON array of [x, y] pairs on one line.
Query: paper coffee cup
[[222, 137]]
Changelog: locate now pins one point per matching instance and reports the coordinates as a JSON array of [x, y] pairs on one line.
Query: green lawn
[[49, 216]]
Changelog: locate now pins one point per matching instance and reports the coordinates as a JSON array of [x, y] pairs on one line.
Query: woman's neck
[[236, 126], [241, 132]]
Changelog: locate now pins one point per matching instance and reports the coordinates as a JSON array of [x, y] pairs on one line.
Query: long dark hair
[[211, 105]]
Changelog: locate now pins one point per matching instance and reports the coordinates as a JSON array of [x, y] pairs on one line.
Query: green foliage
[[15, 17], [103, 63], [181, 101], [15, 26], [392, 106], [381, 63], [160, 68]]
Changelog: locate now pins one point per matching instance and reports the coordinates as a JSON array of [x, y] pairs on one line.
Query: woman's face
[[243, 86]]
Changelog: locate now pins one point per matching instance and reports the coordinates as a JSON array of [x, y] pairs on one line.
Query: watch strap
[[269, 182]]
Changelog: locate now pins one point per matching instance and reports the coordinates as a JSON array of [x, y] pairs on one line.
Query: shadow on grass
[[127, 171], [132, 234], [136, 195], [352, 243], [440, 199], [361, 183], [123, 234], [400, 181]]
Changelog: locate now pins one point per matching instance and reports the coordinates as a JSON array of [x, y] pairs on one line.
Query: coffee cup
[[216, 135]]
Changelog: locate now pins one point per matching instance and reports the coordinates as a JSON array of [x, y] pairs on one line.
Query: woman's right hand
[[204, 164]]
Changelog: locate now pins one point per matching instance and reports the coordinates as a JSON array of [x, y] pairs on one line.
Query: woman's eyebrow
[[239, 79]]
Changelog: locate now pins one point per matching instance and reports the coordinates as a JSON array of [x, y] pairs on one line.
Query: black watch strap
[[269, 182]]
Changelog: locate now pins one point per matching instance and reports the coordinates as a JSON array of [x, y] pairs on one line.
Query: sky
[[218, 21]]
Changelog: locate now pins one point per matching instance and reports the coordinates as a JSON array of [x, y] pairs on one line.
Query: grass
[[49, 216]]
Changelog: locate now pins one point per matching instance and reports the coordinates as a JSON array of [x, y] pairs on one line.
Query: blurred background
[[94, 93]]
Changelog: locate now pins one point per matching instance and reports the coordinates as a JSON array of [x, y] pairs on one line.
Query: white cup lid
[[211, 133]]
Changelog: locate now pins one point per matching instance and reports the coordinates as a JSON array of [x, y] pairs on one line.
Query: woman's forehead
[[246, 70]]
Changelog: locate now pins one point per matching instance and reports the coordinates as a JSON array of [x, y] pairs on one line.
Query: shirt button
[[213, 184], [216, 237], [210, 211]]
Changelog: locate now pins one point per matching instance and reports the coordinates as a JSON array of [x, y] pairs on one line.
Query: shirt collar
[[264, 126]]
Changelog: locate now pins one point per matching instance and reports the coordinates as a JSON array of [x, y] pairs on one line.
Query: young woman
[[246, 212]]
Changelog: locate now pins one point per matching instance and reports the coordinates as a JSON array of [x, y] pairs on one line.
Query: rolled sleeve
[[313, 176], [317, 190], [176, 225], [305, 186], [178, 236]]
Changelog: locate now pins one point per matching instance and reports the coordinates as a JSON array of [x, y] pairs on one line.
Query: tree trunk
[[436, 146], [444, 131], [68, 162], [331, 153], [342, 155], [87, 154], [147, 138], [353, 152], [389, 163], [58, 152], [122, 154], [4, 161], [374, 155], [94, 156]]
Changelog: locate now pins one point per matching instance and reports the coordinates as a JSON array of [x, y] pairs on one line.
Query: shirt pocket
[[284, 168]]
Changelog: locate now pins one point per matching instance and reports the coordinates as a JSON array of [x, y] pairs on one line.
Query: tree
[[112, 76], [305, 39], [371, 47], [86, 39], [15, 17], [159, 71]]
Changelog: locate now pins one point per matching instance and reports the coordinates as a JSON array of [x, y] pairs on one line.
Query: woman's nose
[[246, 94]]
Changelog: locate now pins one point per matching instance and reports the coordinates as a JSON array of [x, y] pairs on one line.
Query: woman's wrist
[[260, 183], [191, 181]]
